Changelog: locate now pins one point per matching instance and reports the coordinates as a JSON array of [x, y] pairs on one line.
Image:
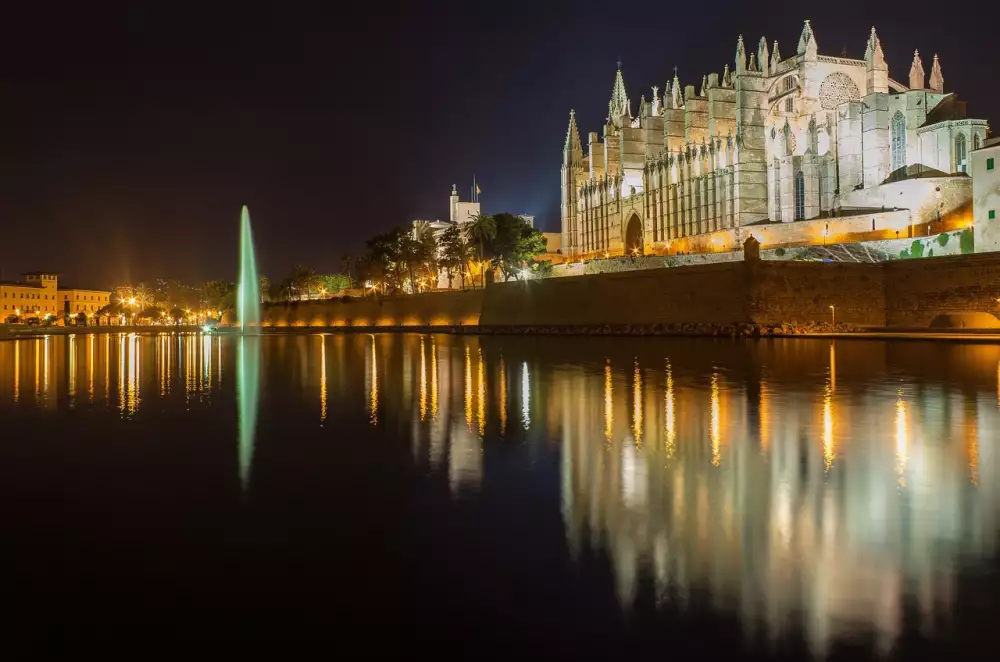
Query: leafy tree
[[481, 229], [515, 244], [454, 252]]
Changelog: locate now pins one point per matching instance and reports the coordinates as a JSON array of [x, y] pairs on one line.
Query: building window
[[898, 141], [961, 161], [789, 105], [787, 83], [800, 196], [989, 164], [993, 214]]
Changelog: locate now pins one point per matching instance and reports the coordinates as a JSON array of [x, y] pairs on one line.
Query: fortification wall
[[459, 308], [906, 293], [805, 291], [713, 293], [917, 291]]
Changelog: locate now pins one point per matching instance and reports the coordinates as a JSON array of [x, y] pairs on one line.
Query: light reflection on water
[[834, 481]]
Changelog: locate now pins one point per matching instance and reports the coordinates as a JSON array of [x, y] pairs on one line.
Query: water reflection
[[833, 488], [248, 396]]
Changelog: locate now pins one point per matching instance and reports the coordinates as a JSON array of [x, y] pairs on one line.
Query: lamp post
[[833, 316]]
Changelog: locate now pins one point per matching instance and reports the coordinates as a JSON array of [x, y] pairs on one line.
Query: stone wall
[[707, 294], [902, 293], [459, 308], [851, 293], [917, 291]]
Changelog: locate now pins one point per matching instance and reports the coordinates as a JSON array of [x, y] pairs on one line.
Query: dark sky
[[131, 135]]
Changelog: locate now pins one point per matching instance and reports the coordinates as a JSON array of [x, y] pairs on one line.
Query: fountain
[[248, 350], [248, 287]]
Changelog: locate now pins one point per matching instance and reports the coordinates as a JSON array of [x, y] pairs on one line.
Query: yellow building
[[39, 295]]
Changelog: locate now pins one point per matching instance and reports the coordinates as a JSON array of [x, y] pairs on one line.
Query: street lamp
[[833, 316], [826, 232]]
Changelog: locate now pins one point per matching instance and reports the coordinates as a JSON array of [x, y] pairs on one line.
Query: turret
[[916, 72], [878, 70], [937, 78], [676, 95], [572, 148], [619, 104], [775, 58], [807, 42], [762, 55], [741, 56]]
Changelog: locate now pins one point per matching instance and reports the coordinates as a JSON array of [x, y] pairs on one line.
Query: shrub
[[943, 238], [917, 248], [904, 254], [780, 252], [967, 241], [930, 253]]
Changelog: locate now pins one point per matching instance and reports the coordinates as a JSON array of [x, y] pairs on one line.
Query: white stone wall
[[986, 197]]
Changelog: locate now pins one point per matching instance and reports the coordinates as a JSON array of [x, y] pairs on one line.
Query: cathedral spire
[[878, 70], [726, 79], [937, 78], [704, 87], [807, 42], [741, 56], [775, 58], [619, 104], [676, 95], [572, 148], [762, 55], [916, 72]]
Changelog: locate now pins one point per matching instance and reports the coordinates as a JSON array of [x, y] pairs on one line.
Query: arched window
[[800, 196], [961, 161], [787, 83], [898, 141]]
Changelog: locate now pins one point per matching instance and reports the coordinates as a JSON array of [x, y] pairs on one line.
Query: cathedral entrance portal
[[633, 236]]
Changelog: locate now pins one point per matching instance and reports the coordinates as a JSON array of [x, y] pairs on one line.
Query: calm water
[[461, 495]]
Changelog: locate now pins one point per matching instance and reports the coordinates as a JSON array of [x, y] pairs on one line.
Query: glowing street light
[[833, 316]]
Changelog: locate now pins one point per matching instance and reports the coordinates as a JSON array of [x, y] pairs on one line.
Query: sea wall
[[903, 293], [917, 291], [711, 294], [445, 309]]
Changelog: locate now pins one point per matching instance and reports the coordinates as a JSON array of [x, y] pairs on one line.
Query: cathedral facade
[[765, 144]]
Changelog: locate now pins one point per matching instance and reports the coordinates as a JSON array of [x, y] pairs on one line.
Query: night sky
[[132, 135]]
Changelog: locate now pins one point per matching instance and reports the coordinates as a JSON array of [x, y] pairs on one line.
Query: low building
[[39, 296], [459, 213], [986, 195]]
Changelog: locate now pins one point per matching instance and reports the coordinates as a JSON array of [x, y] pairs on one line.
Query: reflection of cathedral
[[787, 482], [772, 139], [818, 503]]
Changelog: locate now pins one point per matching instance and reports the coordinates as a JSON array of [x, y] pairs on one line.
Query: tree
[[481, 229], [426, 251], [349, 267], [265, 288], [514, 245], [454, 252]]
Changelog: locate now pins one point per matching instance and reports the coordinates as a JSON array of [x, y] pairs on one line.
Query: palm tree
[[481, 229]]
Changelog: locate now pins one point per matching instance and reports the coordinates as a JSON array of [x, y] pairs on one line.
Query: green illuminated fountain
[[248, 287], [248, 350]]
